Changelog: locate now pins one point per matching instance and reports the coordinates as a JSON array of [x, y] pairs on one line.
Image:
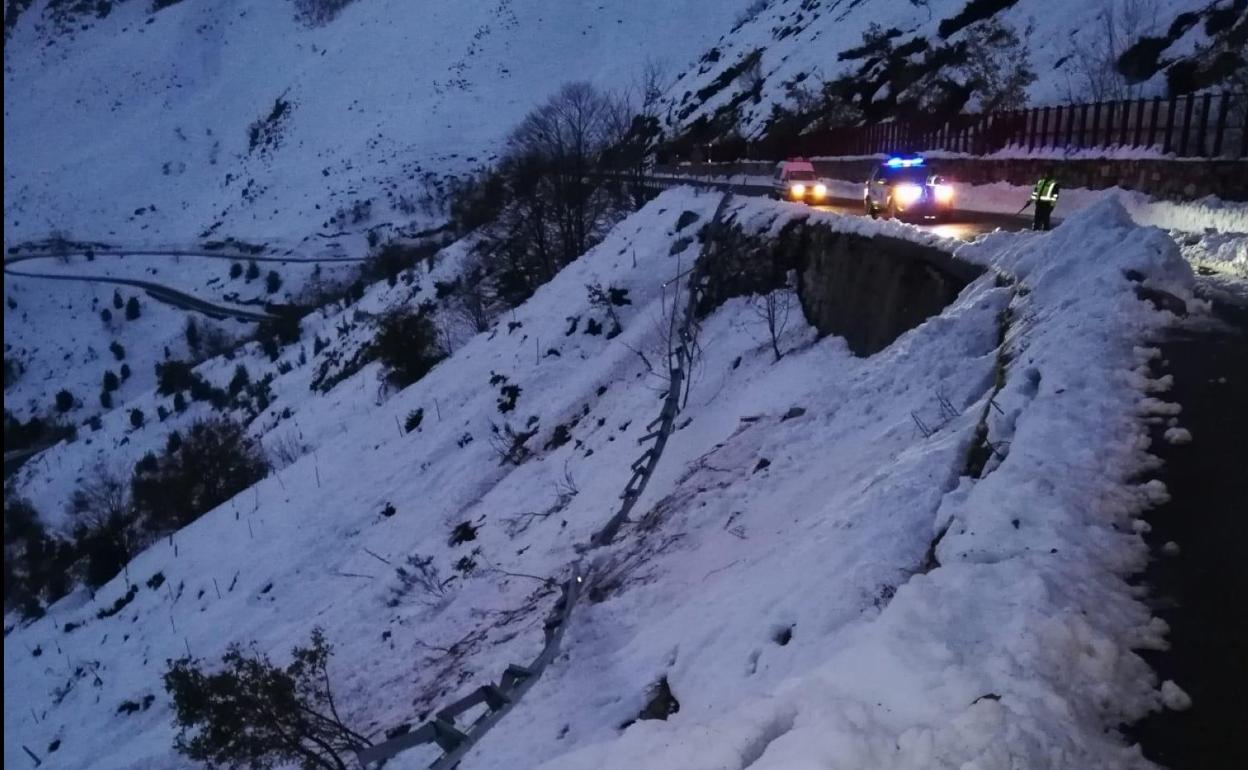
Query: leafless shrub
[[418, 577], [773, 309], [285, 448], [565, 491], [509, 444]]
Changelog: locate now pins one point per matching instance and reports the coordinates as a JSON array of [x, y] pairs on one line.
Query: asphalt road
[[157, 292], [160, 292], [964, 225]]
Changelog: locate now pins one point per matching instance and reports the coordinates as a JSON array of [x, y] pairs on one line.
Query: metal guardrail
[[1205, 125], [679, 357], [498, 698], [516, 680]]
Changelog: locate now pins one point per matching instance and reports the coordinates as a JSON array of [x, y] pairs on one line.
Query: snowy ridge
[[784, 569]]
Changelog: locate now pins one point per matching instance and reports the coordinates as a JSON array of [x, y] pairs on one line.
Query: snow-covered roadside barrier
[[1189, 216]]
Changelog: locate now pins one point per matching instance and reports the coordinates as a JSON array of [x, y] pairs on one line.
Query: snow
[[55, 330], [1216, 251], [1174, 697], [1228, 218], [147, 136], [801, 42], [1013, 646], [1178, 436]]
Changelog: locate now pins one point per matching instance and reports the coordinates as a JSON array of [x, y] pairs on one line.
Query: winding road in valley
[[157, 291]]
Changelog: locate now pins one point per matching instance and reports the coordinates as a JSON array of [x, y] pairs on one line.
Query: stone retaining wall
[[868, 290]]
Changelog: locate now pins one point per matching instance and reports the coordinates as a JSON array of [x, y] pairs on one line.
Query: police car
[[795, 180], [905, 188]]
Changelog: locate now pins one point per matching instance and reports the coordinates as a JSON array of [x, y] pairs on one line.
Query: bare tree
[[998, 67], [102, 501], [1091, 71], [565, 138], [773, 309]]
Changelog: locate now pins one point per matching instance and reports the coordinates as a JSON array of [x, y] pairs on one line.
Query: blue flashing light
[[903, 162]]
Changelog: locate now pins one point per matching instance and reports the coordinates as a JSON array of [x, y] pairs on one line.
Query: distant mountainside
[[233, 117], [144, 120]]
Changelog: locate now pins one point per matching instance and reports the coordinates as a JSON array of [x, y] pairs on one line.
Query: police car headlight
[[944, 193], [821, 190], [907, 194]]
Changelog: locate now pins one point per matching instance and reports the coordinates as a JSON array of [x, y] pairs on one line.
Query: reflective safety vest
[[1045, 191]]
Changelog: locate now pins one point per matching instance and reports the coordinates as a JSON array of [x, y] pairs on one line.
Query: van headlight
[[906, 194], [821, 190], [797, 190]]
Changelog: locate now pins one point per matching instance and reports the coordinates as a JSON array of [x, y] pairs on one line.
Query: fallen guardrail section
[[516, 680]]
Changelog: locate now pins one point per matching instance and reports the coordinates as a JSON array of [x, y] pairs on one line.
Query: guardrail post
[[1187, 126], [1243, 135], [1152, 122], [1174, 103], [1220, 124], [1204, 126]]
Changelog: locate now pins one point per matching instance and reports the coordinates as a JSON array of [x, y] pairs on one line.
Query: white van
[[795, 180]]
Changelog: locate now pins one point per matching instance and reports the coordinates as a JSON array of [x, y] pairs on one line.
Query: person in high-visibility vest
[[1044, 196]]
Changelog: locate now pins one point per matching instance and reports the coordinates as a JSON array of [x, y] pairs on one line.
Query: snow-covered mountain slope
[[800, 44], [785, 571], [66, 334], [138, 126]]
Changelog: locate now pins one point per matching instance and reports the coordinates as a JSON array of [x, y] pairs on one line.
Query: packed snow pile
[[915, 559], [1213, 250]]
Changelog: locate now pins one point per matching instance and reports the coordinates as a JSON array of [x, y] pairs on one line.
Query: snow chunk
[[1156, 492], [1155, 406], [1161, 384], [1178, 436], [1174, 698]]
